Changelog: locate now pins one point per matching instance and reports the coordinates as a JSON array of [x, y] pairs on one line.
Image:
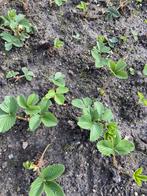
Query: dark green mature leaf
[[36, 187], [48, 190], [12, 74], [105, 147], [145, 70], [56, 188], [139, 177], [52, 172], [142, 99], [124, 147]]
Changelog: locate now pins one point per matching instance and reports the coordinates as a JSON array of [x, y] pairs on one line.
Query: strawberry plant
[[46, 181], [142, 99], [95, 117], [139, 177], [57, 93], [113, 144], [27, 74], [82, 6], [112, 13], [16, 29], [58, 43]]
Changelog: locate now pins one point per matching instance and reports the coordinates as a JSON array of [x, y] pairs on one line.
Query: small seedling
[[46, 180], [60, 2], [27, 74], [97, 53], [16, 29], [36, 111], [132, 71], [118, 68], [145, 70], [58, 93], [82, 6], [112, 42], [112, 13], [58, 43], [139, 177], [142, 99], [95, 117]]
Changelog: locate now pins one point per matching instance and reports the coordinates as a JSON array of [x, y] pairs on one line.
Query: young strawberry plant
[[57, 93], [27, 74], [139, 177], [113, 144], [95, 117], [46, 182], [36, 110], [60, 2], [82, 6], [16, 29], [58, 43], [142, 100]]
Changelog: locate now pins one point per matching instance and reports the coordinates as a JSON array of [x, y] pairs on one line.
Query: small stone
[[10, 156], [4, 165], [136, 194], [24, 145]]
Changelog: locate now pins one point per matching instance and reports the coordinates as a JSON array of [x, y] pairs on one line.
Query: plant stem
[[114, 161], [42, 156], [22, 118], [18, 78]]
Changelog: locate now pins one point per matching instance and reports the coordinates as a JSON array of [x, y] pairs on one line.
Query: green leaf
[[145, 70], [99, 108], [60, 2], [12, 74], [105, 147], [124, 147], [8, 46], [56, 188], [52, 172], [22, 102], [48, 119], [85, 122], [27, 73], [48, 190], [107, 115], [96, 132], [58, 79], [51, 93], [82, 103], [34, 122], [7, 120], [58, 43], [36, 187], [102, 48], [142, 99], [32, 99], [62, 90], [59, 98], [9, 105], [99, 61]]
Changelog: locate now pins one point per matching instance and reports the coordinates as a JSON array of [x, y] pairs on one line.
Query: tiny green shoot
[[142, 100], [58, 43], [82, 6], [139, 177]]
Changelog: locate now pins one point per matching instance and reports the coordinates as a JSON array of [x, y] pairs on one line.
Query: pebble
[[136, 194], [10, 156], [24, 145], [4, 165]]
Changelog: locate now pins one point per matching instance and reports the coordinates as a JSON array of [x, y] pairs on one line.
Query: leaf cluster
[[27, 74], [16, 29], [99, 120], [142, 99], [46, 181], [82, 6]]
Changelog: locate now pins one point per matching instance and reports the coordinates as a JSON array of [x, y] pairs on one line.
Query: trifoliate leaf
[[48, 119], [36, 187], [51, 93], [82, 103], [52, 172], [139, 177], [58, 79], [22, 102], [99, 108], [9, 105]]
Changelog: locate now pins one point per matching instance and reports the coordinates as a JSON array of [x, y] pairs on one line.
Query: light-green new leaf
[[139, 177], [145, 70]]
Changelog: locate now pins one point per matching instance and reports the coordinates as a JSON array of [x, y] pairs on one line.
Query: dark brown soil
[[87, 173]]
